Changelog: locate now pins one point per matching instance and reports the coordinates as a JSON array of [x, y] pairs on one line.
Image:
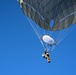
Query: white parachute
[[48, 40]]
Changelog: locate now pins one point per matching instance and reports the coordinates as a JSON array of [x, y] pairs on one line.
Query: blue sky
[[21, 50]]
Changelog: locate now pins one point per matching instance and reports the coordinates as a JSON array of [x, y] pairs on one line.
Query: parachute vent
[[51, 23]]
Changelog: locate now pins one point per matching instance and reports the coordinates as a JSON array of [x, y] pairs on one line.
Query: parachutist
[[46, 55]]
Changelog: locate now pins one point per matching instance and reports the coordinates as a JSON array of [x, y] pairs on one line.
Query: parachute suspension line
[[51, 34], [56, 36], [53, 48], [64, 34], [36, 31], [69, 30], [33, 27], [60, 34]]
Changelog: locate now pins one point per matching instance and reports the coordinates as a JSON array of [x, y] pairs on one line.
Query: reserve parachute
[[51, 20]]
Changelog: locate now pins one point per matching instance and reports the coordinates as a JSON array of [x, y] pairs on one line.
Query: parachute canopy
[[53, 18], [63, 12], [48, 40]]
